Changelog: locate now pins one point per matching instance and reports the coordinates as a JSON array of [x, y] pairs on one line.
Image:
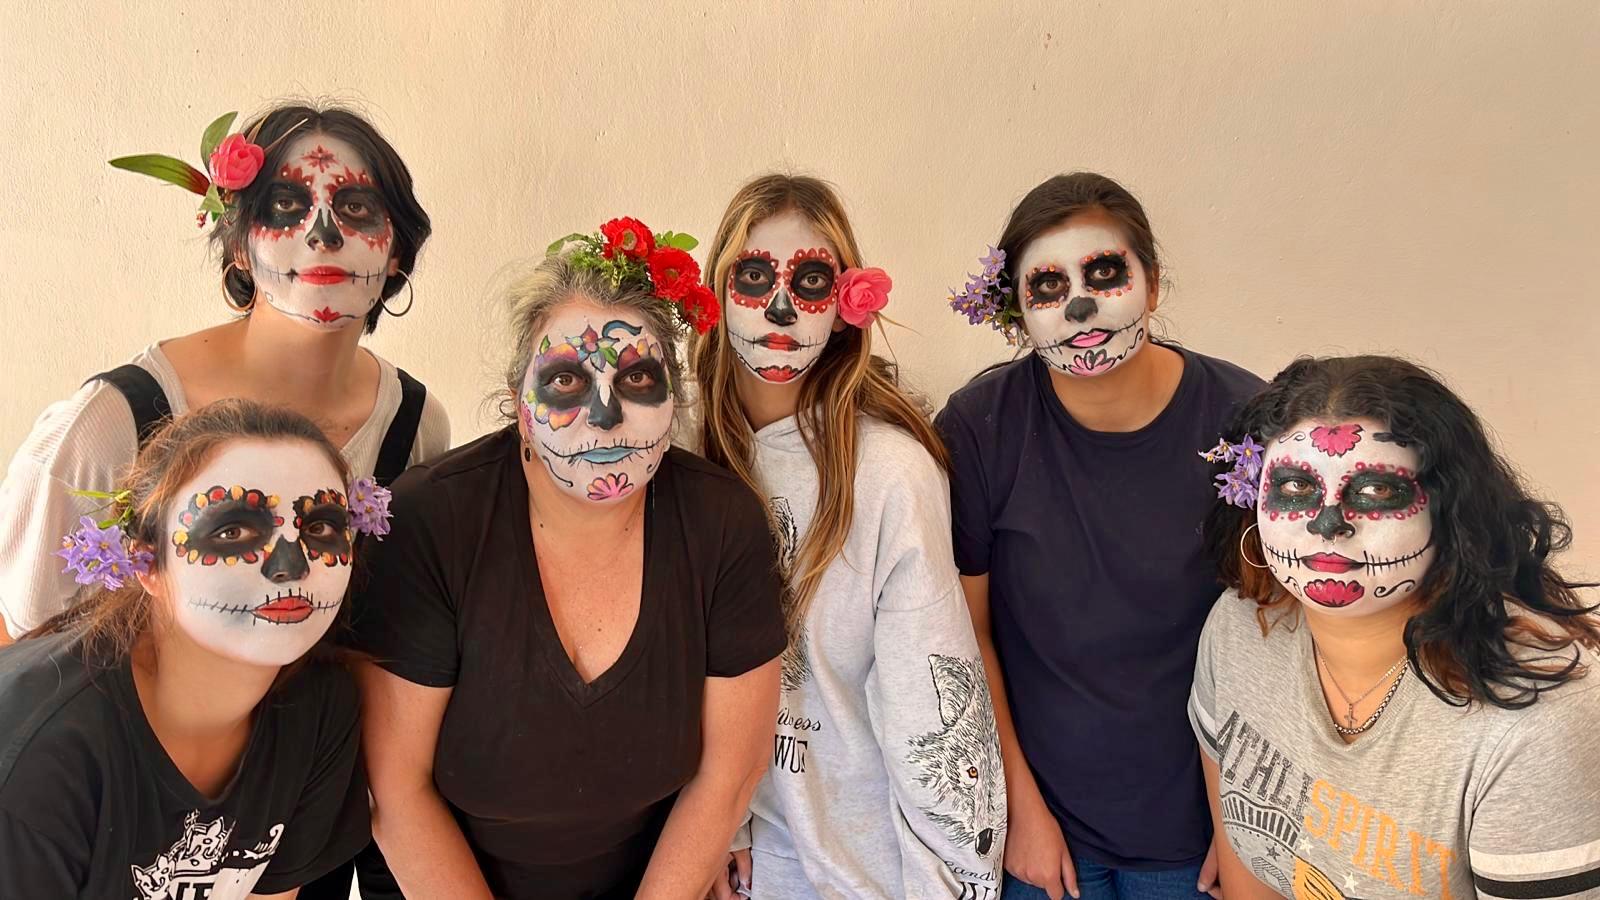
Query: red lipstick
[[284, 610], [323, 275]]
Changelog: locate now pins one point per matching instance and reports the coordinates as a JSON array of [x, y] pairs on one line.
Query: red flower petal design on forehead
[[1337, 440], [319, 159]]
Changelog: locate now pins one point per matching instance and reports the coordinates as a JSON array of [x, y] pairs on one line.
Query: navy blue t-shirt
[[1098, 589]]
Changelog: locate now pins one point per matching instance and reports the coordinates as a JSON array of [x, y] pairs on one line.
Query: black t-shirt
[[1098, 589], [91, 806], [562, 787]]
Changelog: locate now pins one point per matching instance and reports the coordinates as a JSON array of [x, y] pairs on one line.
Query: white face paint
[[320, 238], [596, 405], [1084, 297], [260, 551], [783, 288], [1344, 524]]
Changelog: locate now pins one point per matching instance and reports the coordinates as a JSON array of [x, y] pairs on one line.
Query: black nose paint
[[604, 415], [1330, 523], [325, 232], [781, 310], [1081, 309], [287, 562]]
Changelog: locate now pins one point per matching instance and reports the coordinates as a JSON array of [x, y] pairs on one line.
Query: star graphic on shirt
[[1272, 851], [1349, 883], [1304, 847]]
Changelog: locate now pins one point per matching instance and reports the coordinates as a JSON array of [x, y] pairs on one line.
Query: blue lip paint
[[607, 454]]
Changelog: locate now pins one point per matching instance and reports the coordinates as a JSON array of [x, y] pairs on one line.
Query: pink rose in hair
[[862, 292], [235, 162]]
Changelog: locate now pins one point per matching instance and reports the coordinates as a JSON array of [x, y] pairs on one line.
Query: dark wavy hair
[[1493, 539], [231, 234]]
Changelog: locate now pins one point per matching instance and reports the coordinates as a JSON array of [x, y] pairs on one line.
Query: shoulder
[[979, 397], [82, 438], [460, 468], [704, 488], [1233, 384], [322, 694], [433, 430], [1233, 624], [54, 717], [889, 455]]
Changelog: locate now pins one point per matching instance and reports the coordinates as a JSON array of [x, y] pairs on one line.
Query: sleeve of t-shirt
[[402, 608], [433, 431], [1536, 824], [970, 527], [927, 696], [744, 624], [1203, 692], [331, 822], [81, 443], [34, 865]]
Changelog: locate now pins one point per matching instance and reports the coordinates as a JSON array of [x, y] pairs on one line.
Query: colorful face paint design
[[782, 291], [1083, 295], [596, 403], [1344, 524], [260, 554], [320, 237]]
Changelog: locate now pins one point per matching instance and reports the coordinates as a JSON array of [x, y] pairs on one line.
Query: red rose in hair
[[701, 309], [629, 236], [673, 272], [862, 292], [235, 162]]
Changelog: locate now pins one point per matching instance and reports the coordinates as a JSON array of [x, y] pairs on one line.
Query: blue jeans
[[1097, 882]]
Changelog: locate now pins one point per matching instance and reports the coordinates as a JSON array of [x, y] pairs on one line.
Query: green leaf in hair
[[215, 132], [165, 168]]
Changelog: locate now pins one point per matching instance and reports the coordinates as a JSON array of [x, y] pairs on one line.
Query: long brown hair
[[109, 623], [1494, 539], [845, 382]]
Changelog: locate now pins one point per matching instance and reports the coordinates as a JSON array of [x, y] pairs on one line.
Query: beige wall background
[[1416, 178]]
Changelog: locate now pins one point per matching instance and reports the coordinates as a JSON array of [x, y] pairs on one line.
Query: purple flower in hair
[[1237, 488], [985, 297], [1247, 453], [100, 555], [369, 507]]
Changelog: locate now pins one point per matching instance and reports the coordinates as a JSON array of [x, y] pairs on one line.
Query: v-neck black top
[[561, 787], [92, 806]]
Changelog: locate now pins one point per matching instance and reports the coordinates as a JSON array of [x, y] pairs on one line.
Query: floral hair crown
[[233, 161], [987, 296], [101, 552], [626, 250], [1238, 485]]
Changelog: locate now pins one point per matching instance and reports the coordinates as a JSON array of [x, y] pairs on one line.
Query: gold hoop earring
[[411, 296], [227, 297], [1244, 556]]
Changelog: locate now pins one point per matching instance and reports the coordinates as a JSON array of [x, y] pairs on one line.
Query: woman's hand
[[1036, 851], [735, 881], [1209, 872]]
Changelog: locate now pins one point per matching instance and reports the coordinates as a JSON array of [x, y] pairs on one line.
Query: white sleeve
[[929, 702], [85, 442], [433, 431]]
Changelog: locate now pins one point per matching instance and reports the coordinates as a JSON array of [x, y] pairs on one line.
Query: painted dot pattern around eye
[[1126, 284], [1293, 515], [1032, 299], [746, 300], [1417, 506], [252, 498], [819, 254]]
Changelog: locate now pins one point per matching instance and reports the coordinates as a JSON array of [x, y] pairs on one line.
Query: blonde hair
[[533, 297], [844, 383]]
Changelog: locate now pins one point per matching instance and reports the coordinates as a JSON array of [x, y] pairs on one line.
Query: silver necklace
[[1350, 728]]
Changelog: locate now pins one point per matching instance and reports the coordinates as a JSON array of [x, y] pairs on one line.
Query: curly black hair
[[1493, 539]]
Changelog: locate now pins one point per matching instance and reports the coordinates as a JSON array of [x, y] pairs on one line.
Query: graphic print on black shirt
[[960, 763], [199, 866]]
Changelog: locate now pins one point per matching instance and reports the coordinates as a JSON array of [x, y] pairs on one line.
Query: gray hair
[[532, 298]]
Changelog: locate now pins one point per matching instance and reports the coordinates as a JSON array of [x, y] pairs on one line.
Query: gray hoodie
[[886, 778]]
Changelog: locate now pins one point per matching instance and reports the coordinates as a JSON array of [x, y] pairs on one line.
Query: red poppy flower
[[673, 272], [627, 236], [701, 309]]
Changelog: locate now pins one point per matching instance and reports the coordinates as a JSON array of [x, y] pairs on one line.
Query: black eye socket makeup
[[755, 276], [324, 524], [1292, 489], [225, 524], [562, 384], [1379, 492], [1047, 286], [361, 208], [1106, 272], [284, 205], [643, 382], [812, 280]]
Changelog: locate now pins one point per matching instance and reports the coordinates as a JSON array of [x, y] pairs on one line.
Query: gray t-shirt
[[1434, 801]]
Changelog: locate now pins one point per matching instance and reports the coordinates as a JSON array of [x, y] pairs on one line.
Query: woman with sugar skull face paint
[[1394, 698], [1076, 519], [796, 404], [619, 600], [316, 244], [190, 733]]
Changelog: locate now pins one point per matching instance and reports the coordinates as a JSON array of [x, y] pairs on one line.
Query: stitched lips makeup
[[320, 236], [259, 551], [781, 289], [1344, 523]]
